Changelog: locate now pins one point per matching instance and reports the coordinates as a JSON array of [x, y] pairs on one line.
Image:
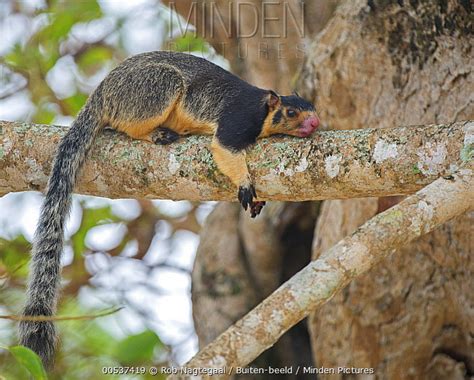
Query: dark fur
[[294, 101], [45, 276], [238, 130], [277, 117], [139, 89]]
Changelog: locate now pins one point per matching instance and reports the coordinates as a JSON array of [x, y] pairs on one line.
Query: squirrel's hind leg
[[137, 101], [164, 136]]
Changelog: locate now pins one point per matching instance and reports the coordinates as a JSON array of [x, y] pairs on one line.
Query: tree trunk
[[278, 243], [384, 63], [376, 64], [317, 283]]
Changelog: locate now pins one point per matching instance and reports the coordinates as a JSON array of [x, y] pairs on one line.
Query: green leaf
[[48, 55], [85, 10], [65, 14], [74, 103], [60, 27], [14, 255], [89, 338], [90, 218], [43, 115], [136, 349], [189, 43], [92, 59], [16, 57], [29, 360]]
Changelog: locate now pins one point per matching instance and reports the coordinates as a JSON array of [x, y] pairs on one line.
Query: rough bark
[[317, 14], [408, 314], [379, 63], [417, 215], [224, 285], [240, 261], [332, 165], [286, 228]]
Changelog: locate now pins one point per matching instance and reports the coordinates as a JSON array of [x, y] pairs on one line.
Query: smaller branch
[[13, 91], [44, 318], [318, 282]]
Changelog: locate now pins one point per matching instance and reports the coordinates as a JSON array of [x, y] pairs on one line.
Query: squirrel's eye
[[291, 113]]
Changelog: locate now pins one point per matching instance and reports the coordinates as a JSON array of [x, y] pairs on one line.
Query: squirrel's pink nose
[[314, 122], [308, 126]]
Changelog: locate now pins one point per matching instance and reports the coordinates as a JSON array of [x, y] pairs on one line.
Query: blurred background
[[136, 254], [184, 271]]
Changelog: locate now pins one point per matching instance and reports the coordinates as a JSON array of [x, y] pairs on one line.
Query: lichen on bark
[[332, 164]]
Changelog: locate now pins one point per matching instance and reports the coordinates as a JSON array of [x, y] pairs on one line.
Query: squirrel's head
[[289, 115]]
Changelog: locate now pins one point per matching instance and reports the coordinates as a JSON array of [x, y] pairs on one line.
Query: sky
[[173, 311]]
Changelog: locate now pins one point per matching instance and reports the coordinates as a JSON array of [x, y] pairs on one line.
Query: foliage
[[60, 42], [28, 360], [86, 345], [189, 42], [56, 63], [38, 55], [137, 348]]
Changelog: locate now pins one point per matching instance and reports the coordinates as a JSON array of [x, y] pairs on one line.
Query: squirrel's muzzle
[[308, 126]]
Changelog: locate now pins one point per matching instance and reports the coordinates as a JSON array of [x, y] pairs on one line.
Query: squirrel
[[158, 97]]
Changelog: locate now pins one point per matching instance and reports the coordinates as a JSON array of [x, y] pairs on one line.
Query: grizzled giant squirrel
[[157, 97]]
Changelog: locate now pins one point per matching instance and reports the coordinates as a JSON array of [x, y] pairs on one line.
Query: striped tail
[[45, 269]]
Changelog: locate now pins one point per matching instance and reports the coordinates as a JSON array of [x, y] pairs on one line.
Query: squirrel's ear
[[273, 99]]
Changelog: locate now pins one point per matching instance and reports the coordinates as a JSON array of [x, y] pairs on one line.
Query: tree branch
[[314, 285], [331, 165]]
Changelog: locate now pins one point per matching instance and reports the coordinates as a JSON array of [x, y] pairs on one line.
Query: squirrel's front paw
[[255, 208], [246, 195]]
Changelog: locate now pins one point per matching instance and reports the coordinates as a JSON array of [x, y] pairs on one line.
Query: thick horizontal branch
[[330, 165], [314, 285]]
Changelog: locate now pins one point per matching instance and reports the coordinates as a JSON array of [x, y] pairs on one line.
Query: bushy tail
[[44, 280]]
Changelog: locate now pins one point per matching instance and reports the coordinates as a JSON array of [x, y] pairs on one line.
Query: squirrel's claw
[[246, 196], [164, 136], [255, 208]]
